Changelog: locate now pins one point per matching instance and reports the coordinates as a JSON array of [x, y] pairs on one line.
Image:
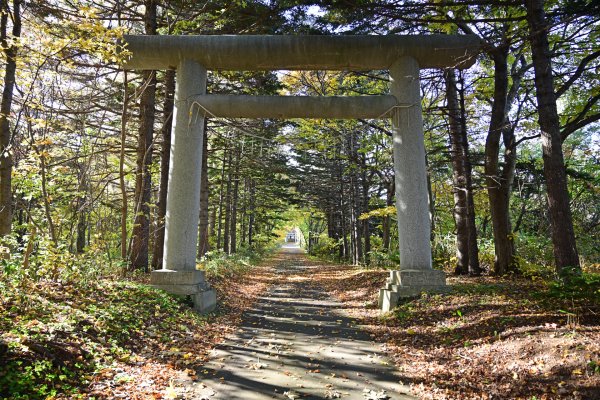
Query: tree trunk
[[342, 220], [498, 185], [431, 199], [141, 227], [341, 212], [81, 229], [251, 207], [365, 209], [355, 200], [243, 230], [220, 220], [204, 192], [458, 175], [143, 180], [474, 266], [387, 220], [6, 161], [227, 233], [122, 187], [47, 208], [81, 209], [165, 154], [563, 236], [234, 201], [330, 223], [212, 221]]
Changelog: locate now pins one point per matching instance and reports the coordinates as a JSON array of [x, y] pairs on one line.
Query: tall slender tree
[[203, 243], [165, 154], [10, 47], [138, 257], [559, 208]]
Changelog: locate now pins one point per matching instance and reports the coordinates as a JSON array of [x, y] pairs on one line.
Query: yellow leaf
[[170, 392]]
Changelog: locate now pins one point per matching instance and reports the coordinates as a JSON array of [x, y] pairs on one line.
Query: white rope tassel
[[193, 117], [396, 114]]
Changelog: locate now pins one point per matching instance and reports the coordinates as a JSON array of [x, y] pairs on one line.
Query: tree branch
[[524, 139], [578, 72], [569, 129]]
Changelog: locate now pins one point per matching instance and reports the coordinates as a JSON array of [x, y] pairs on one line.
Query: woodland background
[[83, 173]]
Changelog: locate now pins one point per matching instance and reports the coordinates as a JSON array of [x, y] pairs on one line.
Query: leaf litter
[[490, 338]]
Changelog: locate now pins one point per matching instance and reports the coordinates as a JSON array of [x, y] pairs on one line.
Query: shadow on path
[[295, 343]]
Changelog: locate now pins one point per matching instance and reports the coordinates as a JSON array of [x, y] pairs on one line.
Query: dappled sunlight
[[295, 339]]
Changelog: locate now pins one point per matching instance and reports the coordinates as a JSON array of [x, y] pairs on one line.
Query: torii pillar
[[416, 274], [179, 274]]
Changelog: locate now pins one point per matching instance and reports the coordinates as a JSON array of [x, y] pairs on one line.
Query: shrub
[[573, 285]]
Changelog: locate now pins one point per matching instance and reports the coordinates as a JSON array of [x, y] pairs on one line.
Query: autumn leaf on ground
[[375, 395], [257, 365], [170, 392], [292, 394]]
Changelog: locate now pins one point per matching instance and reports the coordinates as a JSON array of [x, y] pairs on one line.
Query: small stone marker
[[4, 253]]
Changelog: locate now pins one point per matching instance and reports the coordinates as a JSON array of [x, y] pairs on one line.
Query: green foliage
[[594, 367], [574, 285], [384, 259], [51, 262], [326, 247], [65, 333], [218, 264], [37, 379], [379, 212]]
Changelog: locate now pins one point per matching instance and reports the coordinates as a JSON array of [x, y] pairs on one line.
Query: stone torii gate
[[403, 56]]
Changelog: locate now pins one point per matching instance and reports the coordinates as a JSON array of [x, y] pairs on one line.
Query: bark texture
[[467, 253], [165, 154], [10, 70], [140, 236], [204, 192], [499, 181], [559, 210], [458, 176], [234, 202]]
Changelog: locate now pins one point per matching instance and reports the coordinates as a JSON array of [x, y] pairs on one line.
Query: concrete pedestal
[[186, 283], [205, 301], [410, 283]]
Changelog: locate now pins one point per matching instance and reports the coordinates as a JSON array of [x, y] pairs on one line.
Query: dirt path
[[295, 343]]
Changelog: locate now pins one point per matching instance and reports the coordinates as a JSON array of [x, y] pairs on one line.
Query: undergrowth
[[65, 318], [55, 337]]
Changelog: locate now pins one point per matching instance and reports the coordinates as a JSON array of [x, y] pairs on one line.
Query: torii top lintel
[[308, 52]]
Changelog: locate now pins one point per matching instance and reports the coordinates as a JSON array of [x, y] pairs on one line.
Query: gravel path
[[295, 344]]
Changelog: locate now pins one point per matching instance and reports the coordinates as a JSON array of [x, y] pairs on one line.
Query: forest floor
[[490, 338]]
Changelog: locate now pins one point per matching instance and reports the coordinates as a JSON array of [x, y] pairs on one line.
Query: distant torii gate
[[403, 56]]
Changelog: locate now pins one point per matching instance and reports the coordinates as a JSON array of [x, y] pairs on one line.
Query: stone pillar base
[[205, 301], [186, 283], [410, 283]]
